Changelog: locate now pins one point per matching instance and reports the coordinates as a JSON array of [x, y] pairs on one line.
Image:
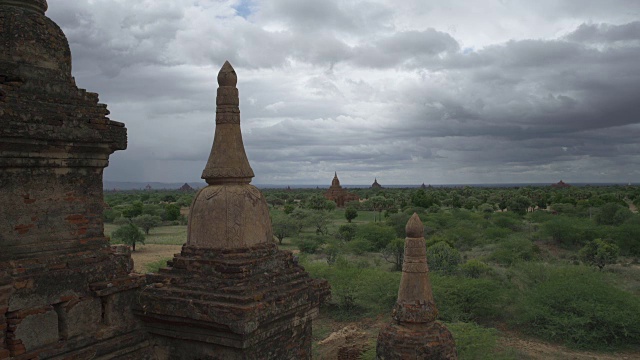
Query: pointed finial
[[227, 75], [335, 174], [414, 228], [228, 161]]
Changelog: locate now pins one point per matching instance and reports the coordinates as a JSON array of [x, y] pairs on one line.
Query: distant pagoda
[[339, 195], [375, 184], [560, 185], [186, 188]]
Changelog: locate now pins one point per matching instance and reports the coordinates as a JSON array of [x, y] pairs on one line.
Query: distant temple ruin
[[414, 332], [560, 185], [375, 185], [65, 293], [186, 188], [339, 195]]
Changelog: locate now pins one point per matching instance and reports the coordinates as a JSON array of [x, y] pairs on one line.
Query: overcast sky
[[409, 91]]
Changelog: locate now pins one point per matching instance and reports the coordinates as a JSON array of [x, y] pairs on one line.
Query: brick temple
[[338, 194], [65, 293]]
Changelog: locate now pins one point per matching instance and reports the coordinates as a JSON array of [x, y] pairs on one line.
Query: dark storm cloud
[[409, 91], [605, 33]]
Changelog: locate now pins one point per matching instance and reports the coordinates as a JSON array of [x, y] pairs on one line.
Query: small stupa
[[230, 293], [414, 332]]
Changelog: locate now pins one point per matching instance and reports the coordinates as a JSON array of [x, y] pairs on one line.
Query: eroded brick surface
[[55, 140]]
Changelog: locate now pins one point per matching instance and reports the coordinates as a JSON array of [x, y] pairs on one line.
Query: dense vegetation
[[557, 264]]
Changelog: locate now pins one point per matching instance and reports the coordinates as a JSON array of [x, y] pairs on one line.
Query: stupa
[[230, 293], [375, 184], [414, 332]]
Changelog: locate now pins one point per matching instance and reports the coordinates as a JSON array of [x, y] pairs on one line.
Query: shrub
[[511, 251], [359, 246], [464, 235], [394, 253], [332, 251], [577, 306], [570, 231], [346, 232], [356, 290], [476, 342], [506, 220], [443, 258], [599, 253], [109, 215], [308, 244], [464, 299], [154, 266], [627, 236], [475, 269], [612, 214], [494, 233], [377, 235]]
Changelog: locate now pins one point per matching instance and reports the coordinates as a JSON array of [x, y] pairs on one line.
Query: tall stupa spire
[[228, 163], [229, 213], [414, 332], [415, 298]]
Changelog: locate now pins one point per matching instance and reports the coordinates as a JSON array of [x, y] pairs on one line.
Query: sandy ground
[[538, 350], [365, 333], [149, 253]]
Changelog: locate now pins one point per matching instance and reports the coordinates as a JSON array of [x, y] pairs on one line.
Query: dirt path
[[538, 350], [149, 253]]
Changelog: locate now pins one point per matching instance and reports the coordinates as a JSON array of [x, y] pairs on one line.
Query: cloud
[[409, 92]]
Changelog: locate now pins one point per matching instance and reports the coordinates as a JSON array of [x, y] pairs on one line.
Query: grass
[[154, 266], [162, 235]]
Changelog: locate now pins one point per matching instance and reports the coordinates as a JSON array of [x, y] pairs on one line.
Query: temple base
[[416, 341], [232, 304]]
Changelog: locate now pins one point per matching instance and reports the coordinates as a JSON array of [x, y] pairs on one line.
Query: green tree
[[519, 205], [133, 210], [288, 209], [147, 222], [612, 214], [599, 253], [394, 253], [320, 203], [129, 234], [346, 232], [320, 221], [284, 226], [172, 212], [423, 199], [377, 235], [627, 236], [109, 215], [350, 214], [380, 203], [442, 257]]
